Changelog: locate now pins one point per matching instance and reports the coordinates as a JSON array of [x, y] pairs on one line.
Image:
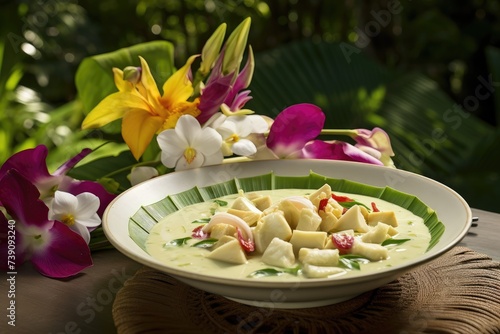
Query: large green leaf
[[109, 167], [94, 77]]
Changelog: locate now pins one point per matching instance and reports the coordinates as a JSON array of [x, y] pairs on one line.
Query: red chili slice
[[247, 245], [342, 198], [374, 207], [199, 234], [322, 204], [343, 242]]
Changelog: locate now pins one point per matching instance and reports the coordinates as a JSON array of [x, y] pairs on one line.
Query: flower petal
[[64, 203], [294, 127], [138, 129], [198, 161], [65, 167], [87, 205], [377, 139], [178, 87], [170, 142], [172, 147], [20, 199], [30, 163], [147, 86], [113, 107], [142, 173], [188, 128], [122, 85], [66, 254], [244, 147], [213, 96], [78, 187], [233, 100], [81, 230], [259, 124], [208, 141], [337, 150]]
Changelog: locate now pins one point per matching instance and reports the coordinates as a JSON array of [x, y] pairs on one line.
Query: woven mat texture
[[459, 292]]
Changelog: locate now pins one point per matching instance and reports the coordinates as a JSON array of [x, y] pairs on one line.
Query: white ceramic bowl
[[450, 207]]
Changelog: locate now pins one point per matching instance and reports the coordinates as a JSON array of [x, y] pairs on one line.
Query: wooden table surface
[[83, 304]]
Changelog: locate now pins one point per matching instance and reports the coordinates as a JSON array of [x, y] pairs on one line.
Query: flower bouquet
[[195, 119]]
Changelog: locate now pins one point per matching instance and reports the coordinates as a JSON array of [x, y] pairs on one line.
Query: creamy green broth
[[193, 259]]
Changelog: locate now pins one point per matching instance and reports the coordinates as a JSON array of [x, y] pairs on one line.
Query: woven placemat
[[459, 292]]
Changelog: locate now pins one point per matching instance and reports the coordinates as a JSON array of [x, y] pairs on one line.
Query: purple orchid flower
[[237, 98], [293, 134], [293, 128], [337, 150], [31, 164], [215, 92], [225, 89], [51, 246]]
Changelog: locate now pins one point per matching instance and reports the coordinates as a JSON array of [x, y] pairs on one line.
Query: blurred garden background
[[427, 72]]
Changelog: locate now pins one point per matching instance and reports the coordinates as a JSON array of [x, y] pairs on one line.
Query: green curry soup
[[170, 242]]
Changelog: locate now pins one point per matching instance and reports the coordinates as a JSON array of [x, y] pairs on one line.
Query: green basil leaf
[[201, 221], [275, 272], [350, 204], [349, 264], [352, 261], [206, 243], [391, 241], [178, 242], [220, 202]]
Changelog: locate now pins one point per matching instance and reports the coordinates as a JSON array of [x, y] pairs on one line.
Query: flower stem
[[235, 159], [118, 171], [336, 132]]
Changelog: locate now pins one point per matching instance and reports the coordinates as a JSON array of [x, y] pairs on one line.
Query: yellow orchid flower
[[143, 110]]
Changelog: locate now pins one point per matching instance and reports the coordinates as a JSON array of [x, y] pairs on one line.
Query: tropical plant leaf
[[94, 77], [493, 58], [430, 134], [116, 167]]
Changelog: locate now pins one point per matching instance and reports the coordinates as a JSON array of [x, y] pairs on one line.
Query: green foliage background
[[409, 63]]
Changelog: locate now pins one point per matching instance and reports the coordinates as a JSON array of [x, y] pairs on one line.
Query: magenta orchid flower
[[237, 97], [50, 245], [293, 128], [215, 91], [294, 131], [31, 164], [337, 150], [225, 91]]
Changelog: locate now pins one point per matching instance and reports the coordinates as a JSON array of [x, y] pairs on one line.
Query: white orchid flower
[[140, 174], [190, 146], [78, 212], [235, 131]]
